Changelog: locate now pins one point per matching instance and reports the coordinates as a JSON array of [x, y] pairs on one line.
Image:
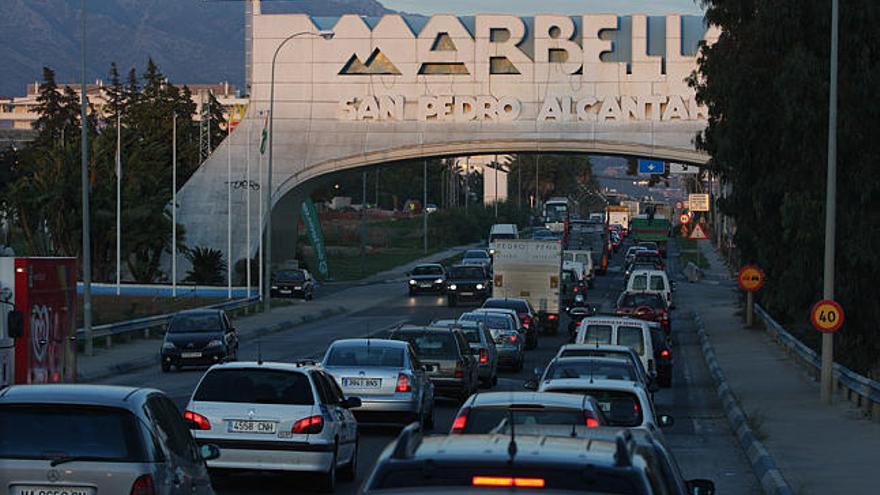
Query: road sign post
[[750, 279]]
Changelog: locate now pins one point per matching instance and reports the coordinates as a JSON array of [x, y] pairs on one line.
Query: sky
[[531, 7]]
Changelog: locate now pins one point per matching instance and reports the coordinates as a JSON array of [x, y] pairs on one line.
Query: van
[[583, 257], [502, 231], [629, 332], [651, 281]]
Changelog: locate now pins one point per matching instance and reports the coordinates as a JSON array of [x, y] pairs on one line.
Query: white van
[[629, 332], [583, 257], [502, 231], [651, 281]]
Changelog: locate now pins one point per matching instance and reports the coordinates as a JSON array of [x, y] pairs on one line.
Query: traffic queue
[[585, 422]]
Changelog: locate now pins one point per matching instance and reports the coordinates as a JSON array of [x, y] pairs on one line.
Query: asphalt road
[[700, 437]]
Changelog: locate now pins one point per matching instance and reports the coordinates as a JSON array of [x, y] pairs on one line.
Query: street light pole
[[827, 386], [267, 256], [86, 226]]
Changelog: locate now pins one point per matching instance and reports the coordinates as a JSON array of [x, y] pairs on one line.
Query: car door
[[332, 398], [177, 443]]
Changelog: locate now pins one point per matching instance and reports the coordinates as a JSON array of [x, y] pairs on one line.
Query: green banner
[[316, 235]]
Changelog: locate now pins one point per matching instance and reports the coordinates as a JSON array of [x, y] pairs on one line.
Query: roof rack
[[305, 362], [626, 444], [407, 442]]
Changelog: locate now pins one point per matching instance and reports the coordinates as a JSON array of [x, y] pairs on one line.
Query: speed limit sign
[[826, 316], [684, 219]]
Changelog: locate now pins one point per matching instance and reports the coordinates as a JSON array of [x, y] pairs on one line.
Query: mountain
[[190, 40]]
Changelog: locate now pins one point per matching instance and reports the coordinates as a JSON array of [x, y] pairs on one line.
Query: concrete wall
[[373, 95]]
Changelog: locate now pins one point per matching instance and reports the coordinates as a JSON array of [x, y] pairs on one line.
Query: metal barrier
[[149, 323], [862, 391]]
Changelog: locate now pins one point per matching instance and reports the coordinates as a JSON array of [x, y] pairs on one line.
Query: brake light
[[552, 316], [484, 356], [590, 421], [143, 486], [504, 481], [526, 320], [310, 425], [403, 384], [665, 353], [459, 370], [460, 422], [575, 290], [196, 421], [513, 338]]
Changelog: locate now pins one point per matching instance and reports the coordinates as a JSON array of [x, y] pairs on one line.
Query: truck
[[615, 214], [531, 270], [37, 320], [631, 205], [647, 228]]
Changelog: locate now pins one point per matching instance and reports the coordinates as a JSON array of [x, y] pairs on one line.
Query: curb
[[763, 465], [153, 360]]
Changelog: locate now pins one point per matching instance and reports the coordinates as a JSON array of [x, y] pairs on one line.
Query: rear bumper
[[449, 386], [509, 357], [369, 405], [270, 455]]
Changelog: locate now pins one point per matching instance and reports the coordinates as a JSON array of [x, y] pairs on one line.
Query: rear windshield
[[497, 419], [466, 272], [101, 434], [195, 323], [636, 300], [494, 322], [620, 408], [657, 283], [363, 355], [432, 345], [598, 370], [472, 335], [631, 337], [476, 254], [290, 276], [427, 270], [255, 386], [518, 306], [501, 236], [594, 353], [597, 334], [639, 282]]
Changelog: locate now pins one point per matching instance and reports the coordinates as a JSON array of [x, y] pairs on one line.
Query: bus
[[557, 214]]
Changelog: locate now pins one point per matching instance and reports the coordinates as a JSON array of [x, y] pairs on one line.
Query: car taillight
[[143, 485], [459, 370], [665, 353], [403, 384], [575, 290], [526, 320], [499, 481], [513, 338], [484, 356], [196, 421], [460, 422], [307, 426], [590, 421], [552, 317]]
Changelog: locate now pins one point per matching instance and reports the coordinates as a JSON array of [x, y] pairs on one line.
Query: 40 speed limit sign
[[826, 316]]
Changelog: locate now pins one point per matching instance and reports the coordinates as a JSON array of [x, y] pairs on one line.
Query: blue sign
[[652, 166]]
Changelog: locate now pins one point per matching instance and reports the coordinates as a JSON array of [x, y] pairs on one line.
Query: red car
[[645, 306]]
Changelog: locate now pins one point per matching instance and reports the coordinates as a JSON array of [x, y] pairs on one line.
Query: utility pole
[[496, 186], [364, 224], [174, 205], [827, 386], [424, 203], [86, 225]]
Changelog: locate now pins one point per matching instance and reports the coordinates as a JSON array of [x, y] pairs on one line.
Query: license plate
[[285, 291], [431, 368], [467, 293], [358, 382], [424, 285], [52, 490], [244, 426], [187, 355]]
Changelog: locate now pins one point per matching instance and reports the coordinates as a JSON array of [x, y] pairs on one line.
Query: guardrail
[[862, 391], [150, 323]]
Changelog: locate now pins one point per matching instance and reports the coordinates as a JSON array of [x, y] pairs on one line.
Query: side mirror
[[209, 451], [15, 323], [666, 421], [538, 371], [531, 385], [701, 487], [351, 402]]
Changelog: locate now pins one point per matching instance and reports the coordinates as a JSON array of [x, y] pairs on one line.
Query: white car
[[651, 281], [631, 253], [606, 350], [276, 417], [629, 332]]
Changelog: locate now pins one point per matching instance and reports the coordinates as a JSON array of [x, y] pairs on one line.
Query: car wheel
[[327, 481], [166, 367], [349, 472]]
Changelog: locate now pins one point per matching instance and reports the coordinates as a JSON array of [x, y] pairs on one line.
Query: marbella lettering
[[449, 108]]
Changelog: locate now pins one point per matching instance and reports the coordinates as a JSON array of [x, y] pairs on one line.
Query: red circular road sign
[[826, 316], [684, 219], [750, 278]]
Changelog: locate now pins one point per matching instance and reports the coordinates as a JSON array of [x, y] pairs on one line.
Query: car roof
[[612, 320], [74, 393], [198, 311], [595, 384], [370, 342], [503, 299], [648, 271], [601, 359], [493, 449], [299, 366], [422, 329], [598, 347], [456, 323], [428, 265], [551, 399]]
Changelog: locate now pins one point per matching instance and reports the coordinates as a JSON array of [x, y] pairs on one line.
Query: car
[[631, 253], [650, 256], [651, 281], [663, 356], [198, 337], [588, 462], [488, 412], [427, 277], [447, 358], [617, 330], [501, 231], [87, 439], [293, 283], [572, 369], [607, 350], [477, 257], [509, 338], [277, 417], [528, 334], [576, 314], [467, 283], [431, 208], [615, 238], [572, 286], [635, 266], [482, 345], [649, 245], [544, 235], [386, 375], [625, 404], [648, 306], [527, 315]]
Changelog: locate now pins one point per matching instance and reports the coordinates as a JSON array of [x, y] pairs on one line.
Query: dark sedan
[[429, 277], [293, 283], [467, 283], [199, 337]]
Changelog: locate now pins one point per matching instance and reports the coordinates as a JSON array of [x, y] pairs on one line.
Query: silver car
[[482, 345], [388, 378], [491, 412], [276, 417], [509, 340], [95, 439]]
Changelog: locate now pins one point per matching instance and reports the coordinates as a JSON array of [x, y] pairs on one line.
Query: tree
[[208, 266]]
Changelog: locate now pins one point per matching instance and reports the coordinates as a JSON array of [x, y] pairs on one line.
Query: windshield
[[365, 355], [48, 431], [591, 368], [255, 386], [476, 254], [427, 270], [432, 345], [493, 322], [195, 323], [555, 212], [495, 419], [466, 272], [495, 237], [636, 300], [290, 276]]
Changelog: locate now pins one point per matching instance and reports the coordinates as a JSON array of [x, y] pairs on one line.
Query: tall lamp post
[[86, 227], [267, 257]]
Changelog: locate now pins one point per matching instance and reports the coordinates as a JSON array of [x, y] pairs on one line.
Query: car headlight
[[491, 251], [168, 346], [412, 282], [453, 287], [480, 286], [274, 287], [438, 281], [298, 287], [215, 343]]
